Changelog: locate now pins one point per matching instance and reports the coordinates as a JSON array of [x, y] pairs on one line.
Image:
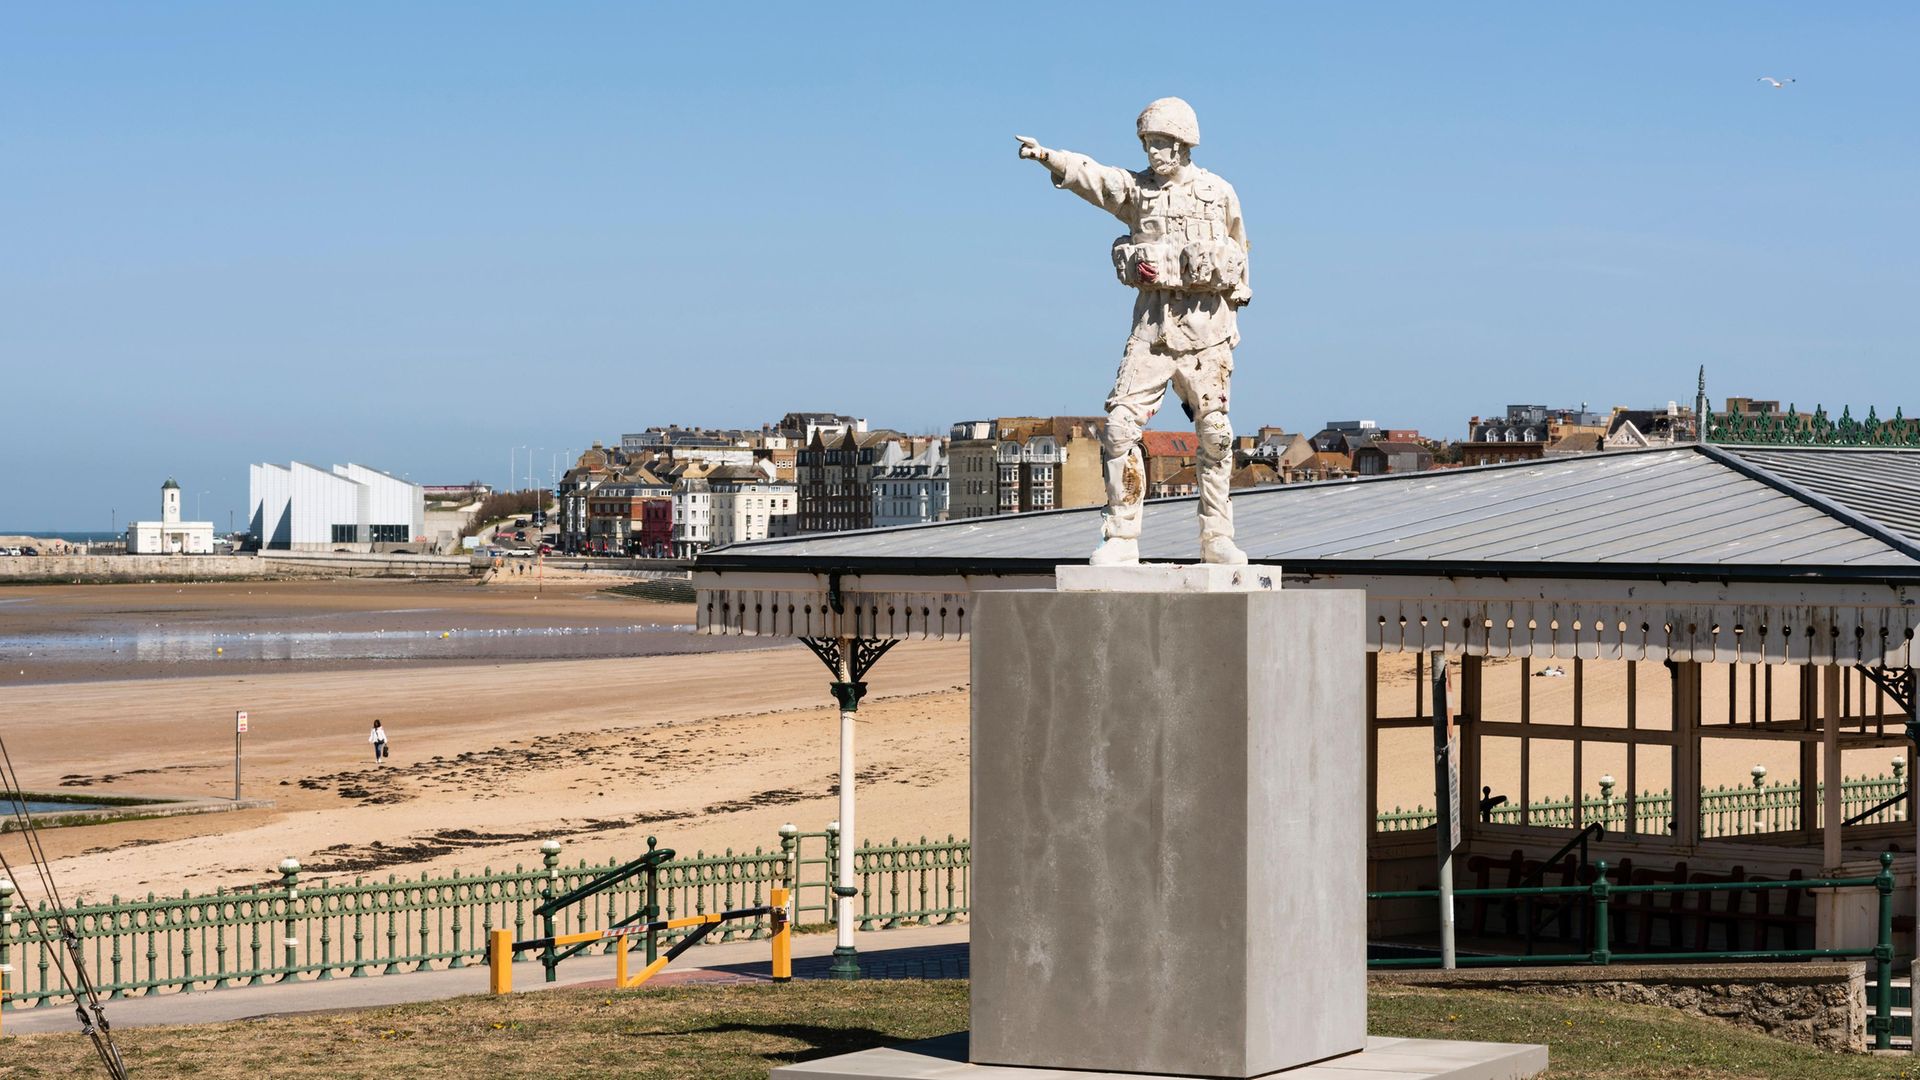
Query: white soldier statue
[[1185, 253]]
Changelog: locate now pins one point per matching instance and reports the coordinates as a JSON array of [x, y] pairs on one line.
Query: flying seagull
[[1773, 82]]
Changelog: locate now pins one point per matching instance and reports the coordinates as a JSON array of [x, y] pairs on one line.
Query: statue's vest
[[1182, 235]]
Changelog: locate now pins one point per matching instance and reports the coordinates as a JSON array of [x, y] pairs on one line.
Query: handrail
[[1601, 892], [1594, 830], [648, 864], [650, 861]]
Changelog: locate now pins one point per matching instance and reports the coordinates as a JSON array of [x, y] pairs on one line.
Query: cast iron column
[[849, 658], [847, 691]]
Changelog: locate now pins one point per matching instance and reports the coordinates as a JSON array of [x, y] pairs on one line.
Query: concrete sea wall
[[93, 569]]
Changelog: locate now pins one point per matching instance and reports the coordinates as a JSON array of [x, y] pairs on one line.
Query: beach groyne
[[94, 569]]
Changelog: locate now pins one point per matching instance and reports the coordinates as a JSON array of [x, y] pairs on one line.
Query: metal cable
[[86, 999]]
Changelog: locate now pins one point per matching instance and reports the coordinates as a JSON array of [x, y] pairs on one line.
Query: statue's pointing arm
[[1104, 186]]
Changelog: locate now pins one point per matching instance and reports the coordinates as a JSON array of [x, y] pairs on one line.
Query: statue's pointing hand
[[1031, 148]]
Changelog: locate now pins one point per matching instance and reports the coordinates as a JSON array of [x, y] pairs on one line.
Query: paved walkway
[[923, 952]]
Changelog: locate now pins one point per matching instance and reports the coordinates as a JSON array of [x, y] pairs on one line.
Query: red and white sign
[[240, 722]]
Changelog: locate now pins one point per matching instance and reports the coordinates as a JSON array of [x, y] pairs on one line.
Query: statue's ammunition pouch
[[1209, 266]]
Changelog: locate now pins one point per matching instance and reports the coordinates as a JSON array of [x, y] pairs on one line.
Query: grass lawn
[[745, 1031]]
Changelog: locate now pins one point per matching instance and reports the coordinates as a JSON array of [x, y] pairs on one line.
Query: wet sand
[[91, 633]]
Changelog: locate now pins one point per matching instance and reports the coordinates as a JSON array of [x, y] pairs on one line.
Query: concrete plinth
[[1167, 577], [1169, 830], [945, 1058]]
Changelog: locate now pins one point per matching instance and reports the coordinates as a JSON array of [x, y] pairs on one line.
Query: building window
[[346, 534], [391, 534]]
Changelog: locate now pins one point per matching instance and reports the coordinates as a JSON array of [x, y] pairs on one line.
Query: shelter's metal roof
[[1881, 484], [1673, 512]]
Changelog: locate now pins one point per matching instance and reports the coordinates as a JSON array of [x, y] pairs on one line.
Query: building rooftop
[[1689, 511], [1883, 485], [1170, 443]]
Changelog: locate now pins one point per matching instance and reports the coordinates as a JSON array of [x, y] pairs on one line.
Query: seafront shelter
[[1678, 660]]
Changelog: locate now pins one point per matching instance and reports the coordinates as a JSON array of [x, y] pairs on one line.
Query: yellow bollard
[[500, 962], [782, 937], [620, 962]]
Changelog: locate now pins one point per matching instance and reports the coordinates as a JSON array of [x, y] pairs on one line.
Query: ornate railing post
[[326, 937], [486, 913], [116, 958], [359, 931], [459, 960], [613, 916], [790, 858], [549, 885], [426, 892], [290, 881], [951, 913], [254, 900], [921, 861], [46, 951], [186, 942], [651, 912], [833, 860], [219, 937], [1881, 1024], [519, 908], [1602, 893], [393, 928], [6, 938], [153, 949]]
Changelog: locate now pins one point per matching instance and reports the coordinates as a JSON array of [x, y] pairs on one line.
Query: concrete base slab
[[945, 1058], [1167, 578]]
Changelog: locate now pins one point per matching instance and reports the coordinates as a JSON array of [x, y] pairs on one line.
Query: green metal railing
[[291, 931], [1724, 811], [1791, 428], [901, 883], [1601, 894]]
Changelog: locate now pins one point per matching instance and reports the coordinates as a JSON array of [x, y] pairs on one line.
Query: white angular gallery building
[[299, 507]]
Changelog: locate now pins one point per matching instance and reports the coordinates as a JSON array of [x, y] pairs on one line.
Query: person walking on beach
[[379, 740]]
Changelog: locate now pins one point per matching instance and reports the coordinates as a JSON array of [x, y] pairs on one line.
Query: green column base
[[846, 964]]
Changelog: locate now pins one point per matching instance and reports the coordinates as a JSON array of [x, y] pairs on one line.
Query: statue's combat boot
[[1220, 549], [1118, 551]]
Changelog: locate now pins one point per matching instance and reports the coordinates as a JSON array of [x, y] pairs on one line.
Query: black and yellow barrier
[[501, 947]]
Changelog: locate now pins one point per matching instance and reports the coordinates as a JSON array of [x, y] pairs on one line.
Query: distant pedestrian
[[379, 740]]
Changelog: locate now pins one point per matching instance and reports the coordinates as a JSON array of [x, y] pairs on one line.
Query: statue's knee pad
[[1216, 435]]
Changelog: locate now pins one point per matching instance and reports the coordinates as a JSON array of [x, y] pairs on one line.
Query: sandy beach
[[707, 750]]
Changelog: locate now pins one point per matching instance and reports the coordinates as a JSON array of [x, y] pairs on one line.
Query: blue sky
[[419, 236]]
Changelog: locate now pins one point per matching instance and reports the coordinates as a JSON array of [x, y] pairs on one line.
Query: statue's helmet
[[1172, 117]]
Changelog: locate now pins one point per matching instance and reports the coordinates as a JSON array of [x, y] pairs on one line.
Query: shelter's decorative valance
[[1709, 622]]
